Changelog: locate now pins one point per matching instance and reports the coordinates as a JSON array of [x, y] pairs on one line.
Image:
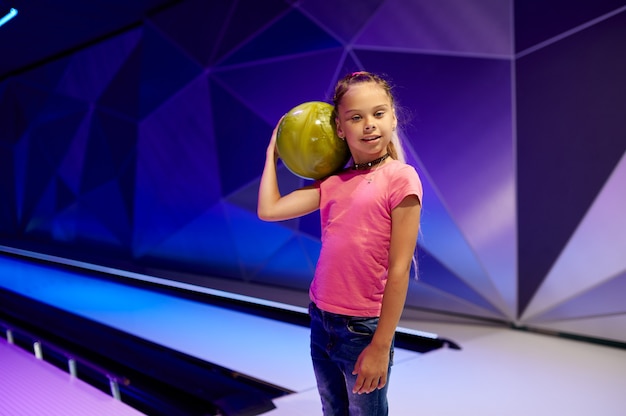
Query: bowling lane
[[248, 344], [261, 348]]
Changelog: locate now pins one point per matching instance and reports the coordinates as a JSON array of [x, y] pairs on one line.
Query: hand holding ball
[[307, 141]]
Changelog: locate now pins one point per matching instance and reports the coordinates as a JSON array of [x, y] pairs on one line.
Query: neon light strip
[[181, 285], [12, 13]]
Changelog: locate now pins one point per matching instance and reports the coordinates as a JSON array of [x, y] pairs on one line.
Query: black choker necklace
[[368, 165]]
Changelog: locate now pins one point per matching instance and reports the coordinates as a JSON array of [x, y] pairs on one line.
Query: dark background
[[133, 134]]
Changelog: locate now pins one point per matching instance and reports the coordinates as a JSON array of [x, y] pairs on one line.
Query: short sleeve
[[405, 182]]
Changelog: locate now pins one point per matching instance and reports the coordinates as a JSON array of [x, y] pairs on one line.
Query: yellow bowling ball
[[307, 141]]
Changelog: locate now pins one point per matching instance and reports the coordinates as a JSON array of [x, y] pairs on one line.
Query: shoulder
[[398, 168], [404, 180]]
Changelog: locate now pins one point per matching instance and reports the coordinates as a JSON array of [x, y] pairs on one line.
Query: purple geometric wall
[[145, 144]]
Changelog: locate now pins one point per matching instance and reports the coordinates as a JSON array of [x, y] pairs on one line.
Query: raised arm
[[272, 206]]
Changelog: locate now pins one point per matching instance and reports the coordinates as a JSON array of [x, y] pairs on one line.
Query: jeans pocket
[[362, 326]]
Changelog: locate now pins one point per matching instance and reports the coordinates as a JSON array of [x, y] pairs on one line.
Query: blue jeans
[[336, 342]]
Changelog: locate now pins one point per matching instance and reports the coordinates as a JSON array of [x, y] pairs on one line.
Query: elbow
[[264, 215], [400, 272]]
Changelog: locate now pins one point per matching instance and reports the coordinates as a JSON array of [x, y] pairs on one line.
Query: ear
[[339, 130]]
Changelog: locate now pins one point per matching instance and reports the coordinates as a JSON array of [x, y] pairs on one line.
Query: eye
[[355, 117], [379, 114]]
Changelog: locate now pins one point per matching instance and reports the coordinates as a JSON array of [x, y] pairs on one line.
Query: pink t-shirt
[[355, 210]]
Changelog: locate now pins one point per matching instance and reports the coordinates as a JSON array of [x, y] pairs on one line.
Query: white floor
[[498, 371]]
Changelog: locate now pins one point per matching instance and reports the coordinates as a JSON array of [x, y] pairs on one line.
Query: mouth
[[370, 138]]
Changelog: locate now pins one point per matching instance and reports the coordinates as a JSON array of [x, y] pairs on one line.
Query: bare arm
[[272, 206], [373, 363]]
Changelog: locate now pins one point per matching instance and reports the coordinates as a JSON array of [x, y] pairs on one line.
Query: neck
[[370, 164]]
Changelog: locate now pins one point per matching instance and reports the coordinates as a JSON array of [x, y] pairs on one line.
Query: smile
[[370, 138]]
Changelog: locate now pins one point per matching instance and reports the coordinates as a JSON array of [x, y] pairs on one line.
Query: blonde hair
[[395, 148]]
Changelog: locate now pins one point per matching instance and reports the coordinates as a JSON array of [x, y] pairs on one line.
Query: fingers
[[382, 381], [360, 380], [272, 147], [367, 384], [277, 126]]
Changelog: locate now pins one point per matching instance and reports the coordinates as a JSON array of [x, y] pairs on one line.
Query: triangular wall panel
[[149, 143]]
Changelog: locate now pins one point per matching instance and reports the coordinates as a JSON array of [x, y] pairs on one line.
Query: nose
[[370, 127]]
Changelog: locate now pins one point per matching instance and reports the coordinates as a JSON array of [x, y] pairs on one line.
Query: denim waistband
[[332, 315]]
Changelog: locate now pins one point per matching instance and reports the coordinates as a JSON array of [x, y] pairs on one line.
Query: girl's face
[[366, 119]]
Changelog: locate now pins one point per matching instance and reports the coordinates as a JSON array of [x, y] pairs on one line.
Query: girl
[[370, 214]]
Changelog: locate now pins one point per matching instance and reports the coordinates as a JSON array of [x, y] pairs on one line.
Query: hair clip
[[354, 74]]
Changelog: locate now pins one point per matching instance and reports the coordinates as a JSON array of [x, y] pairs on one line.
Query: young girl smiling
[[370, 215]]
